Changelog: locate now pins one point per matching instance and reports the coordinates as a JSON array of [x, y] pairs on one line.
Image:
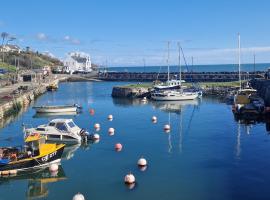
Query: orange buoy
[[129, 178], [92, 111], [118, 147]]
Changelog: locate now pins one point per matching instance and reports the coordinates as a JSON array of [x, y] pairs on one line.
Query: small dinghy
[[58, 109]]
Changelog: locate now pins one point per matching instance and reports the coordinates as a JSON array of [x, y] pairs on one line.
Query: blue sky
[[125, 32]]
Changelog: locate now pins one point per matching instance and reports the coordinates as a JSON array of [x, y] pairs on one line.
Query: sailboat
[[174, 95], [246, 101], [170, 83]]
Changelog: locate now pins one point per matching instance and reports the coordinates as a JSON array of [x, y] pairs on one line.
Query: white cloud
[[67, 37], [42, 36]]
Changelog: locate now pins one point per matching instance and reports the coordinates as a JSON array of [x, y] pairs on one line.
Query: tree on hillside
[[4, 35]]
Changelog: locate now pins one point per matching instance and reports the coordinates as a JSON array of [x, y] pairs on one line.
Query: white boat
[[57, 109], [169, 84], [173, 95], [60, 130]]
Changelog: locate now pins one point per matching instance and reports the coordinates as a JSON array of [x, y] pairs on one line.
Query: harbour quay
[[187, 76]]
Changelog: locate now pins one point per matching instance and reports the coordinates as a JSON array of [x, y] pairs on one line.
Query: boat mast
[[179, 60], [239, 60], [168, 61]]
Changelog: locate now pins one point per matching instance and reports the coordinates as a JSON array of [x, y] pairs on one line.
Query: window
[[61, 126], [71, 124], [52, 124]]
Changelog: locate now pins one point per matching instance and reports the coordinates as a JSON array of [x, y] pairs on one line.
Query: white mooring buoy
[[78, 196], [167, 127], [129, 178], [110, 117], [96, 136], [142, 162], [154, 119], [97, 126], [111, 131]]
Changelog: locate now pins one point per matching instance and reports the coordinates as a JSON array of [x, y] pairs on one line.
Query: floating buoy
[[118, 147], [97, 126], [154, 119], [5, 173], [129, 178], [92, 111], [142, 162], [167, 127], [110, 117], [13, 172], [53, 167], [96, 136], [111, 131], [78, 196]]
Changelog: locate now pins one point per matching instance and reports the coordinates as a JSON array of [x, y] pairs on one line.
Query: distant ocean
[[195, 68]]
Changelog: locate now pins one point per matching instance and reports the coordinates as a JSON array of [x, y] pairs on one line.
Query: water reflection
[[249, 121], [174, 106], [38, 181], [55, 115], [178, 108]]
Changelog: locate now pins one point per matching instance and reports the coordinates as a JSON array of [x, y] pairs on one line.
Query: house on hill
[[77, 62], [10, 48]]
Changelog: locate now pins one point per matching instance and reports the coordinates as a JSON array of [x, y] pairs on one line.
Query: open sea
[[195, 68], [208, 155]]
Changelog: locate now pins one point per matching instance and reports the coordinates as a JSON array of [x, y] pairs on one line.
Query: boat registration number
[[47, 157]]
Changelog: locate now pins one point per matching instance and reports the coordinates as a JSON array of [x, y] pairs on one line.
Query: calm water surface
[[207, 155]]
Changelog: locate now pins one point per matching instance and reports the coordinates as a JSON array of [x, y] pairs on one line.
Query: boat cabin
[[243, 96]]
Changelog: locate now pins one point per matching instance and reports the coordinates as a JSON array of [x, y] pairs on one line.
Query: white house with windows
[[77, 61], [10, 48]]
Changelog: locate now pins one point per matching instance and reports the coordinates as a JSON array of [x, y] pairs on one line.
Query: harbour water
[[195, 68], [207, 155]]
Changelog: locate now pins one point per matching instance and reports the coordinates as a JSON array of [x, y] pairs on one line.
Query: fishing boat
[[58, 109], [60, 130], [35, 154]]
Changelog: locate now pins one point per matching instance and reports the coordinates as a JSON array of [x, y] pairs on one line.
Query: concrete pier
[[187, 76]]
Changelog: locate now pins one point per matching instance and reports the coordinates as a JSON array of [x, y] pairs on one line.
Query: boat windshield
[[61, 126], [71, 124]]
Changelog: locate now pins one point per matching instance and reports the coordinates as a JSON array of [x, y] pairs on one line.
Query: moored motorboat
[[52, 86], [58, 109], [60, 130], [35, 154]]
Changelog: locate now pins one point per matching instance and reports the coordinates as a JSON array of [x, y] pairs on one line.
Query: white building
[[10, 48], [77, 61]]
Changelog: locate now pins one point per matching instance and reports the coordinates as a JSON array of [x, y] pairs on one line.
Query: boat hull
[[44, 109], [174, 98], [35, 162]]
